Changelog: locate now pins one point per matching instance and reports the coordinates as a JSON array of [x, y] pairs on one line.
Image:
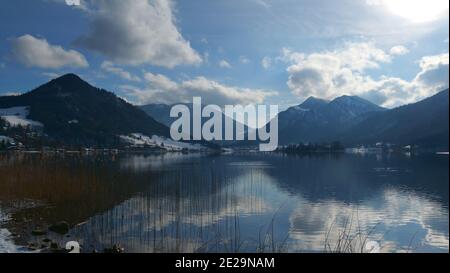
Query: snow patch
[[137, 139], [299, 108], [6, 245], [17, 116], [74, 121], [5, 139]]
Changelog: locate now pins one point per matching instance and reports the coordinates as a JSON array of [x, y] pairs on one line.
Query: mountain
[[161, 113], [70, 111], [74, 112], [317, 120], [424, 123], [313, 103], [346, 108]]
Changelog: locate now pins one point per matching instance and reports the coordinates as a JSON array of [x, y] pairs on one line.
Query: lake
[[249, 202]]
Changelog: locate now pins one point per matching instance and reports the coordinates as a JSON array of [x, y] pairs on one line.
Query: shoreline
[[7, 244]]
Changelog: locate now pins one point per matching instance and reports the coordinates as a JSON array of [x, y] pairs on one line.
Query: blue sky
[[229, 51]]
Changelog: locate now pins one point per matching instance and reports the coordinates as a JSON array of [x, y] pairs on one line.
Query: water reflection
[[231, 203]]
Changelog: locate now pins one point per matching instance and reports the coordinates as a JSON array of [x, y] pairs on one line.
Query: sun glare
[[418, 11]]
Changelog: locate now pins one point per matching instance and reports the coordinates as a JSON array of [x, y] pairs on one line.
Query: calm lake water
[[228, 203]]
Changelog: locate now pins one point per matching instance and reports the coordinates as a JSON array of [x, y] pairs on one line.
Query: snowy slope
[[6, 244], [6, 139], [157, 141], [17, 116]]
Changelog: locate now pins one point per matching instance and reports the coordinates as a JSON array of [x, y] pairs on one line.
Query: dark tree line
[[313, 148]]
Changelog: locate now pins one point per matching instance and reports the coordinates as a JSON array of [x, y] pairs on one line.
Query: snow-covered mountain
[[349, 107], [18, 116], [317, 120], [73, 112], [313, 103], [353, 120]]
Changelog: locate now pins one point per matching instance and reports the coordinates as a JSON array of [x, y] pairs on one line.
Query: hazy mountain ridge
[[161, 113], [425, 123]]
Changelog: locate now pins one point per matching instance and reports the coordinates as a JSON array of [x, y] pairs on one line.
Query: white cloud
[[266, 62], [430, 62], [73, 2], [435, 72], [51, 75], [8, 94], [244, 60], [331, 73], [161, 89], [78, 4], [161, 82], [35, 52], [136, 32], [263, 3], [344, 71], [433, 77], [399, 50], [111, 68], [224, 64]]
